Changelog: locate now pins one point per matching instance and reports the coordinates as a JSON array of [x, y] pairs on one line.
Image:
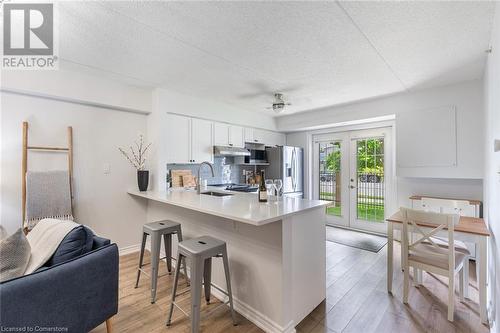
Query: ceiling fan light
[[278, 107]]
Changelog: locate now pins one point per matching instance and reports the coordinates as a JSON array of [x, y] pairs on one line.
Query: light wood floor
[[357, 301]]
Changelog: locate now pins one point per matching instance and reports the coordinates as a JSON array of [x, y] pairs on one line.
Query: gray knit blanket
[[48, 195]]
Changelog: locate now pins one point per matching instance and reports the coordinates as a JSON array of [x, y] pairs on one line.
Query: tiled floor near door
[[357, 301]]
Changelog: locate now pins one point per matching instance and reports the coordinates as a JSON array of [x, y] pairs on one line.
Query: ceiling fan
[[278, 104]]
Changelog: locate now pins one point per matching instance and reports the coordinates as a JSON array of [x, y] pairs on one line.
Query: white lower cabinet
[[189, 140]]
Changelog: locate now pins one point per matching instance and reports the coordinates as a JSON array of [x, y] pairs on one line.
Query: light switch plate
[[106, 168]]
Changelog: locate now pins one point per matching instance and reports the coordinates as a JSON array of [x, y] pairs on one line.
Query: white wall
[[173, 102], [101, 201], [78, 87], [492, 167], [466, 97], [166, 101]]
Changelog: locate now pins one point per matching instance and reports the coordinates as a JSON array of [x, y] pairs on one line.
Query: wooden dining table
[[468, 229]]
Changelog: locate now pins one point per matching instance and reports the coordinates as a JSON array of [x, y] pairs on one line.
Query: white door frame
[[385, 133], [344, 139], [348, 205]]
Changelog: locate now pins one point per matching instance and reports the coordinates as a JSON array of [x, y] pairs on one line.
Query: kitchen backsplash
[[236, 170]]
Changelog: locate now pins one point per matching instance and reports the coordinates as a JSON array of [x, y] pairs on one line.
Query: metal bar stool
[[200, 252], [156, 230]]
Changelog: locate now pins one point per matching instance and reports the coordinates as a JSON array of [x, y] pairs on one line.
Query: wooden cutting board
[[177, 177], [188, 181]]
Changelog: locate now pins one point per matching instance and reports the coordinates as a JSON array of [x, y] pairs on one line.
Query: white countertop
[[242, 207]]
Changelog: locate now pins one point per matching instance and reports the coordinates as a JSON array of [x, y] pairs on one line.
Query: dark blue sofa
[[74, 296]]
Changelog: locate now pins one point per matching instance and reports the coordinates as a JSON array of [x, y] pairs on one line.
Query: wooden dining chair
[[423, 253], [462, 208]]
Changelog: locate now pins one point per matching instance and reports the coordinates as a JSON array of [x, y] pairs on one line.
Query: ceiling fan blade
[[258, 88], [248, 96], [289, 89]]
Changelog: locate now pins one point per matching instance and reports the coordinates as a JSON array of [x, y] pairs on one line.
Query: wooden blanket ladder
[[27, 147]]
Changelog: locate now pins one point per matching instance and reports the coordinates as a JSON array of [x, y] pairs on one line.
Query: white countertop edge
[[148, 195]]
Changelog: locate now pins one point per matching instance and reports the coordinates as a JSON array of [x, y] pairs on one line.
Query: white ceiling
[[317, 53]]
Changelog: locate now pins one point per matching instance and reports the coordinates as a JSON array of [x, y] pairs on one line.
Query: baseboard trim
[[129, 249], [256, 317]]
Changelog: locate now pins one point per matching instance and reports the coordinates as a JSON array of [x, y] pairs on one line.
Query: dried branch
[[128, 158], [137, 157]]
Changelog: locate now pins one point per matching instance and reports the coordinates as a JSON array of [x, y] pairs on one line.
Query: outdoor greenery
[[365, 213], [370, 160], [332, 160], [370, 156]]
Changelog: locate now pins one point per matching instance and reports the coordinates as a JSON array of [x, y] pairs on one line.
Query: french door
[[353, 170]]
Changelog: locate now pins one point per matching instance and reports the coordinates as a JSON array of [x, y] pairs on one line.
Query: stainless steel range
[[237, 187]]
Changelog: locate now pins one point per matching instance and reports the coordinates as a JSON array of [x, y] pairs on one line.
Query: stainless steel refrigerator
[[287, 163]]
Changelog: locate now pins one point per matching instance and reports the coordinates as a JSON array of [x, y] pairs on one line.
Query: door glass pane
[[370, 182], [329, 176]]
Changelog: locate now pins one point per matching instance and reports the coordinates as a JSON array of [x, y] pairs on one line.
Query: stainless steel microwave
[[256, 156]]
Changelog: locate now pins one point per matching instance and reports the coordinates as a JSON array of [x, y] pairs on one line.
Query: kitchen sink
[[216, 194]]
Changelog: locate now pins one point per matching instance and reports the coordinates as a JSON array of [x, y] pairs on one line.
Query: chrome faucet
[[198, 187]]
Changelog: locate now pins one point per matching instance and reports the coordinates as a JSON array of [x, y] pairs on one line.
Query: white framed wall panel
[[427, 138]]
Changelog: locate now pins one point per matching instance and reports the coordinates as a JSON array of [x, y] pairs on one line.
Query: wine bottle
[[262, 188]]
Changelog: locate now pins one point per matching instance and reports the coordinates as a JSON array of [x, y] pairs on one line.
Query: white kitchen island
[[276, 250]]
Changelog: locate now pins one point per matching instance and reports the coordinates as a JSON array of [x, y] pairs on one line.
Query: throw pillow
[[15, 252], [77, 242]]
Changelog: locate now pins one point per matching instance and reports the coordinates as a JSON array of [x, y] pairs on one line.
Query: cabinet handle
[[231, 144]]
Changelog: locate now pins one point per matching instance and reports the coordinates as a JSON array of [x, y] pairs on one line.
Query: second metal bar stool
[[200, 252], [156, 230]]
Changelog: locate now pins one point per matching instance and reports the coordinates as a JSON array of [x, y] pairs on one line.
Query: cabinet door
[[221, 134], [178, 139], [248, 134], [275, 139], [236, 136], [259, 136], [201, 141]]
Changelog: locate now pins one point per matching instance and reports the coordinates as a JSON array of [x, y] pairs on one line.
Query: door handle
[[352, 186]]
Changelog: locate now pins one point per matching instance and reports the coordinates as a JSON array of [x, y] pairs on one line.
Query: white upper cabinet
[[236, 136], [201, 141], [221, 134], [248, 134], [275, 139], [259, 136], [228, 135], [189, 140], [178, 139], [268, 138]]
